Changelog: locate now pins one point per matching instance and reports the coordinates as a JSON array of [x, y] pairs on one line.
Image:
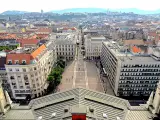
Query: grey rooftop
[[101, 103]]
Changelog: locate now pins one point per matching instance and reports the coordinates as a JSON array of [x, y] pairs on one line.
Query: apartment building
[[65, 45], [27, 70], [93, 46], [131, 72]]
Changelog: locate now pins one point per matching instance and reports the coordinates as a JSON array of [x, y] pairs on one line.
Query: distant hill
[[13, 12], [88, 10], [96, 10], [137, 11], [80, 10]]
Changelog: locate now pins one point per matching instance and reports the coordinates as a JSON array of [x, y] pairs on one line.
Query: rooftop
[[24, 42], [65, 39], [30, 55], [124, 54], [7, 36], [78, 101], [101, 37], [134, 42], [82, 98]]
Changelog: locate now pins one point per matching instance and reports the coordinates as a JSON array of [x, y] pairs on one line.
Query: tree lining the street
[[54, 78]]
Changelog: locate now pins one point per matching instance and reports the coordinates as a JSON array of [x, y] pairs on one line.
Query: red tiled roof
[[133, 42], [152, 34], [24, 42], [73, 28], [24, 56], [42, 36], [33, 37], [3, 33], [38, 51], [18, 56], [8, 36], [69, 28], [135, 49]]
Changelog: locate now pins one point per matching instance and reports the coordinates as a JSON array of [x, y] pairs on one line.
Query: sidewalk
[[106, 85]]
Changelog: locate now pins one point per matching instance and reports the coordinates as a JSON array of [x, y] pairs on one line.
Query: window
[[25, 77], [16, 91], [26, 83], [28, 91], [24, 69], [21, 87], [35, 68], [12, 77], [9, 62], [17, 70], [23, 62], [28, 87], [19, 76], [13, 83], [20, 95], [34, 85], [16, 62], [10, 69]]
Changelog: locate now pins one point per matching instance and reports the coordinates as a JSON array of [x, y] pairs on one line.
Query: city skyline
[[49, 5]]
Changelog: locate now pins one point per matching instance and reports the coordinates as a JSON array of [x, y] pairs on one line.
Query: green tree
[[61, 63], [50, 78]]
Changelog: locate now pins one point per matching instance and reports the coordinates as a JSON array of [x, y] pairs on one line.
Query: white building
[[93, 46], [28, 69], [130, 74], [65, 45]]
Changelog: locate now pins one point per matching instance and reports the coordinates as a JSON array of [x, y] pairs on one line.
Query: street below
[[80, 73]]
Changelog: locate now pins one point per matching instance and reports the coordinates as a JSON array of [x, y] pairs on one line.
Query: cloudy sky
[[47, 5]]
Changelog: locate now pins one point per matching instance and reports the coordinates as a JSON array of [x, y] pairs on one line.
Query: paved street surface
[[80, 73]]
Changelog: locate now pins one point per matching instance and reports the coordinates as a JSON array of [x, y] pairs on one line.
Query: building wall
[[110, 64], [129, 78], [30, 79], [138, 78], [93, 48], [67, 51]]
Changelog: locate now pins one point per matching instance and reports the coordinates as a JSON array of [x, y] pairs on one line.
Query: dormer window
[[16, 62], [9, 62], [23, 62]]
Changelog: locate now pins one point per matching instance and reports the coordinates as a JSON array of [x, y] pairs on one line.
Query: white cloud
[[47, 5]]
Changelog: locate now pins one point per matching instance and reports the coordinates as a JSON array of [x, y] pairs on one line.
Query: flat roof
[[127, 56], [98, 37]]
